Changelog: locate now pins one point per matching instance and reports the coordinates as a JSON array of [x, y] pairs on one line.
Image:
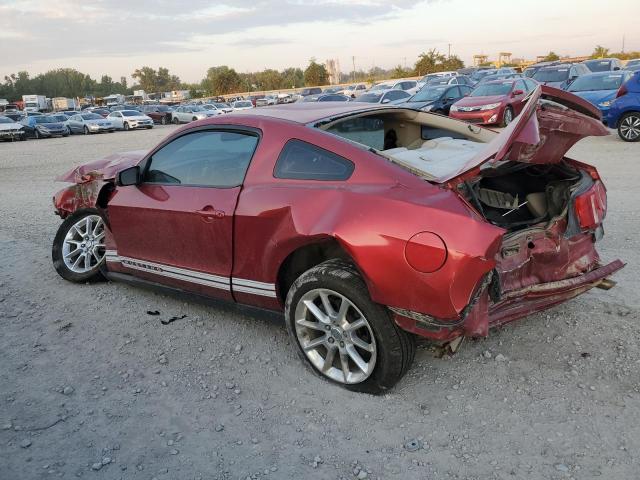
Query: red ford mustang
[[367, 225]]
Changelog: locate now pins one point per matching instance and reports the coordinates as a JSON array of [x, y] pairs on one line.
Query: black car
[[310, 91], [603, 64], [326, 97], [437, 98]]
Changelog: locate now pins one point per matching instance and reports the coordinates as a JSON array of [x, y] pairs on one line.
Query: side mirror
[[616, 68], [517, 92], [129, 176], [386, 100], [449, 99]]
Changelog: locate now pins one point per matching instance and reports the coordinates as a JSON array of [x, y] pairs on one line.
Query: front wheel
[[629, 127], [78, 249], [507, 117], [163, 121], [86, 130], [176, 121], [37, 135], [126, 126], [342, 334]]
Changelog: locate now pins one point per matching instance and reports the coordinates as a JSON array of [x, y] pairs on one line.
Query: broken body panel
[[383, 218]]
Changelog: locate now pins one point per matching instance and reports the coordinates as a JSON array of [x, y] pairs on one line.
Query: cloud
[[114, 28]]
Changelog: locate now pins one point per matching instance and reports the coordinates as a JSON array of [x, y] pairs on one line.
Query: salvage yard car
[[87, 123], [494, 103], [129, 120], [44, 126], [11, 130], [364, 238]]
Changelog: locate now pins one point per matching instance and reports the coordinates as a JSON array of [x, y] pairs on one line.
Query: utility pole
[[449, 51], [623, 43], [353, 61]]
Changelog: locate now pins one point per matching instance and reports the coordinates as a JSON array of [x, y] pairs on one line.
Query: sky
[[115, 37]]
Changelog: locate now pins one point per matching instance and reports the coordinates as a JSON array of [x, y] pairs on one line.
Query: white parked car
[[191, 113], [424, 80], [89, 123], [242, 105], [267, 100], [223, 107], [354, 90], [384, 96], [129, 120]]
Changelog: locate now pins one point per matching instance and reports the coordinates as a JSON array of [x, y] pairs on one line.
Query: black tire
[[126, 126], [629, 127], [175, 121], [194, 119], [149, 127], [395, 347], [86, 130], [164, 121], [57, 249], [507, 117]]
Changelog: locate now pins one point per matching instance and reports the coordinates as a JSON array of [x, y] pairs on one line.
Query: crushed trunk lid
[[549, 125]]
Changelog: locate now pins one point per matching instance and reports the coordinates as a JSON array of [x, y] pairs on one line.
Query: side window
[[205, 158], [395, 95], [465, 90], [520, 86], [302, 161], [453, 92]]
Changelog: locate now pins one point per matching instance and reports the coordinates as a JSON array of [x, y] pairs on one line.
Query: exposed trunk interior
[[516, 195]]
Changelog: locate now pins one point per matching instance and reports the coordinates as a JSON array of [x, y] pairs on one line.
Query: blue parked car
[[44, 126], [599, 88], [624, 112]]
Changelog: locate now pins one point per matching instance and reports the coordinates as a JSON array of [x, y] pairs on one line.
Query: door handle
[[209, 213]]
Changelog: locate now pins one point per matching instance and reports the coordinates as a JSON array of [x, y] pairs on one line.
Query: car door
[[451, 96], [116, 119], [519, 94], [175, 226]]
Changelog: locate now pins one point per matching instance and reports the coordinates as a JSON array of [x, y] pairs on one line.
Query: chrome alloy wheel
[[630, 127], [335, 336], [83, 247]]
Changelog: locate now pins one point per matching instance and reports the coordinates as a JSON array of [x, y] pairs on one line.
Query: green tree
[[551, 57], [400, 72], [268, 80], [222, 80], [315, 74], [600, 52], [292, 78], [428, 62], [147, 78], [452, 63]]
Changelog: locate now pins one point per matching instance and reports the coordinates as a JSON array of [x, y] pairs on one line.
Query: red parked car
[[494, 103], [367, 225], [159, 113]]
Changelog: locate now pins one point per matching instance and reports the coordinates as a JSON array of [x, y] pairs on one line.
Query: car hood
[[97, 122], [597, 96], [10, 126], [551, 122], [105, 168], [477, 101], [416, 105], [52, 126], [136, 117]]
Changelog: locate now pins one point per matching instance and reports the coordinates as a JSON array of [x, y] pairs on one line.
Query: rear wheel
[[164, 120], [629, 127], [342, 334], [78, 249]]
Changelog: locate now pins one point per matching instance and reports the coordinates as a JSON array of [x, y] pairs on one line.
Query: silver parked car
[[191, 113], [89, 123]]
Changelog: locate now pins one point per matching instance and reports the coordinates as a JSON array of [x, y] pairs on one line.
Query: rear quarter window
[[303, 161]]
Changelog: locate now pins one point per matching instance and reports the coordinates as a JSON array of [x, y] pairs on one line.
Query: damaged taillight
[[591, 206]]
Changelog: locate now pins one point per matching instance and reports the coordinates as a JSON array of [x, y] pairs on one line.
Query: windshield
[[221, 105], [491, 89], [31, 104], [130, 113], [243, 104], [91, 116], [598, 65], [45, 119], [369, 97], [380, 87], [60, 118], [428, 94], [481, 74], [196, 109], [552, 74], [6, 120], [529, 72], [588, 83], [163, 108]]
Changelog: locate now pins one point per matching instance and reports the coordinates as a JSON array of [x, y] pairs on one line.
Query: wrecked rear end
[[551, 208]]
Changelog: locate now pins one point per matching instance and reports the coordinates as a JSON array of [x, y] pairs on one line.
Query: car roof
[[309, 112]]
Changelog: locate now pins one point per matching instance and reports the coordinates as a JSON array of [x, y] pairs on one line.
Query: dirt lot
[[93, 387]]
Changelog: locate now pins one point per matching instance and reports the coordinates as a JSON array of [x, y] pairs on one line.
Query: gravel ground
[[93, 387]]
